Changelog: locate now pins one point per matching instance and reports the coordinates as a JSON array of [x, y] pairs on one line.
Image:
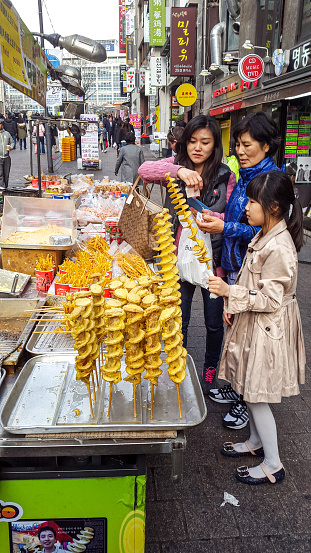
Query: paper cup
[[74, 289], [61, 289], [44, 279]]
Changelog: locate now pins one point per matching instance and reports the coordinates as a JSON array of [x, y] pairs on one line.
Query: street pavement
[[188, 518]]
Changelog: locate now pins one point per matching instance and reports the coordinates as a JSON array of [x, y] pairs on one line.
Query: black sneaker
[[208, 377], [237, 417], [224, 395]]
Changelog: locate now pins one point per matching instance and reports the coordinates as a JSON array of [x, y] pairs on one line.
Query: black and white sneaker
[[224, 395], [237, 417]]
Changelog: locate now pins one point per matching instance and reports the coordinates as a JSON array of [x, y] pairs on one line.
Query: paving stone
[[164, 521], [191, 486], [289, 424], [303, 444], [292, 544], [298, 509], [206, 546], [152, 548], [245, 545], [294, 403], [305, 418], [261, 515], [301, 474], [209, 520]]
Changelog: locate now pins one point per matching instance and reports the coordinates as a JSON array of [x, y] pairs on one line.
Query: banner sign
[[130, 80], [156, 22], [129, 21], [251, 67], [123, 81], [149, 89], [186, 94], [89, 146], [23, 64], [146, 24], [54, 96], [183, 41], [135, 120], [142, 78], [122, 45], [55, 56], [130, 54], [158, 71]]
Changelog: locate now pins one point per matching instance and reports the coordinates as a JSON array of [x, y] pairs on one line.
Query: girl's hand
[[190, 178], [218, 286], [210, 224], [227, 318]]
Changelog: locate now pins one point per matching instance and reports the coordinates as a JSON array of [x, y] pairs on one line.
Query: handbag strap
[[146, 189]]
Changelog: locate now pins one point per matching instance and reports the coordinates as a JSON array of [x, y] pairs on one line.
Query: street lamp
[[205, 73], [249, 46], [78, 45]]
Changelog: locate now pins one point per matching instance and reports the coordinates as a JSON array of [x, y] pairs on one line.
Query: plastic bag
[[190, 269]]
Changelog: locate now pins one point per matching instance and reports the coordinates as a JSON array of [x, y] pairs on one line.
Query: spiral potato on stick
[[134, 347], [111, 369], [153, 345]]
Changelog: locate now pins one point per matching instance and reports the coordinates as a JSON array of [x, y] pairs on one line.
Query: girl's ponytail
[[295, 224]]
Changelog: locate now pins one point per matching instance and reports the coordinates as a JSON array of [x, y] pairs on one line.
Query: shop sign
[[290, 60], [130, 80], [183, 40], [151, 119], [251, 67], [122, 44], [235, 87], [149, 89], [23, 64], [156, 22], [145, 23], [130, 54], [226, 109], [123, 81], [54, 96], [158, 70], [55, 56], [129, 21], [142, 78], [186, 94]]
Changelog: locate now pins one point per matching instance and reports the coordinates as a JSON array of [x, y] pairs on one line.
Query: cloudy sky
[[97, 19]]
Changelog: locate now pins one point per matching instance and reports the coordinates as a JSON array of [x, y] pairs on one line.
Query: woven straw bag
[[136, 221]]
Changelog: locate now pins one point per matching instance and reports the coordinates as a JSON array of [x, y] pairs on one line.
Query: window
[[269, 22], [305, 21]]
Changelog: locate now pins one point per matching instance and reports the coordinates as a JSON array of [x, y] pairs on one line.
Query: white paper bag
[[190, 269]]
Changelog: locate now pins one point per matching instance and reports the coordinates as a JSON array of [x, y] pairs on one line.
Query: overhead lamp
[[205, 73], [78, 45], [230, 58], [214, 67], [249, 46]]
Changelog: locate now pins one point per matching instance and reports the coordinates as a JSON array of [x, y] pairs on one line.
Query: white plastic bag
[[190, 269]]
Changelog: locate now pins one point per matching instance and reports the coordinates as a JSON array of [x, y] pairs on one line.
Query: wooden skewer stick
[[90, 398], [96, 375], [93, 384], [179, 404], [151, 412], [110, 394], [53, 332], [135, 410]]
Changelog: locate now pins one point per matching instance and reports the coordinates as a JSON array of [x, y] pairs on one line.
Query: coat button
[[267, 328], [250, 250]]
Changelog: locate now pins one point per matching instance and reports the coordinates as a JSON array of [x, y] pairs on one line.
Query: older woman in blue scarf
[[256, 138]]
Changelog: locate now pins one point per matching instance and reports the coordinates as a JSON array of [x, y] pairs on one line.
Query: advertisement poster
[[23, 64], [183, 40], [135, 119], [123, 81], [297, 138], [89, 535], [158, 70], [89, 146], [122, 34], [303, 169], [53, 96]]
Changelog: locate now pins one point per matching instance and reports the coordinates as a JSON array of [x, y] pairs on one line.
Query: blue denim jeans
[[213, 310]]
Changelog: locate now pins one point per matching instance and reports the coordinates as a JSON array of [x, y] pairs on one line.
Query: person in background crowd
[[232, 160], [6, 145], [264, 356], [300, 175], [306, 173], [118, 134], [11, 127], [54, 136], [110, 130], [257, 140], [22, 133], [129, 124], [173, 136], [41, 137], [105, 120], [77, 136], [198, 164], [102, 137], [130, 159]]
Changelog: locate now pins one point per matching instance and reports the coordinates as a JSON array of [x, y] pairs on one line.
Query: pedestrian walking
[[130, 159], [257, 140], [198, 164], [174, 134], [118, 134], [41, 137], [102, 137], [6, 145], [54, 137], [22, 133], [110, 130], [264, 356], [11, 127]]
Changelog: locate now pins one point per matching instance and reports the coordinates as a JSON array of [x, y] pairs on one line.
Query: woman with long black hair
[[198, 164]]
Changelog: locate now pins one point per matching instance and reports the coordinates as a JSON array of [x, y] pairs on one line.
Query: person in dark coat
[[54, 136], [118, 134], [11, 127], [22, 133], [110, 130]]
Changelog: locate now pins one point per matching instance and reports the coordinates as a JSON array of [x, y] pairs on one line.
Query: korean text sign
[[23, 64], [122, 44], [156, 22], [183, 41]]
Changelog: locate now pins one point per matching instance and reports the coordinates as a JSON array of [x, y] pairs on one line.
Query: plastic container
[[44, 279], [61, 289], [44, 184]]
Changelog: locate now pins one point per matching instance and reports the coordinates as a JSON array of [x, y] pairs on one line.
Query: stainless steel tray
[[2, 375], [40, 344], [8, 246], [20, 411], [6, 281], [11, 311]]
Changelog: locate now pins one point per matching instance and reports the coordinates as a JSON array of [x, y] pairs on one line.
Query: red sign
[[122, 44], [183, 41], [251, 67], [226, 109]]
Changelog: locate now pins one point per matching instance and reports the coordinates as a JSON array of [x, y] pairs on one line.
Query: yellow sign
[[186, 94], [23, 64]]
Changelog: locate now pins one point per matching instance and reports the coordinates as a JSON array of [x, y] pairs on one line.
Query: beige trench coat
[[264, 356]]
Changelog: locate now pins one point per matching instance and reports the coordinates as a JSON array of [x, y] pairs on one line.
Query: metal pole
[[41, 22], [38, 160], [30, 146], [48, 132]]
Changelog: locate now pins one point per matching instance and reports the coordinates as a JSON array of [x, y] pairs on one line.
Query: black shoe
[[224, 395], [237, 417], [208, 378]]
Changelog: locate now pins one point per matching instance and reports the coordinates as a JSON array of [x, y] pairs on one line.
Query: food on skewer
[[152, 342], [111, 369], [134, 349]]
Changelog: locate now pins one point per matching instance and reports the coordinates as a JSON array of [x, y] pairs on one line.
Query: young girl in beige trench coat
[[264, 356]]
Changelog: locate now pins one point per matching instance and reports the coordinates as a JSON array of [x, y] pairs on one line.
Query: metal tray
[[12, 309], [20, 416], [6, 281], [7, 246], [40, 344], [2, 375]]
